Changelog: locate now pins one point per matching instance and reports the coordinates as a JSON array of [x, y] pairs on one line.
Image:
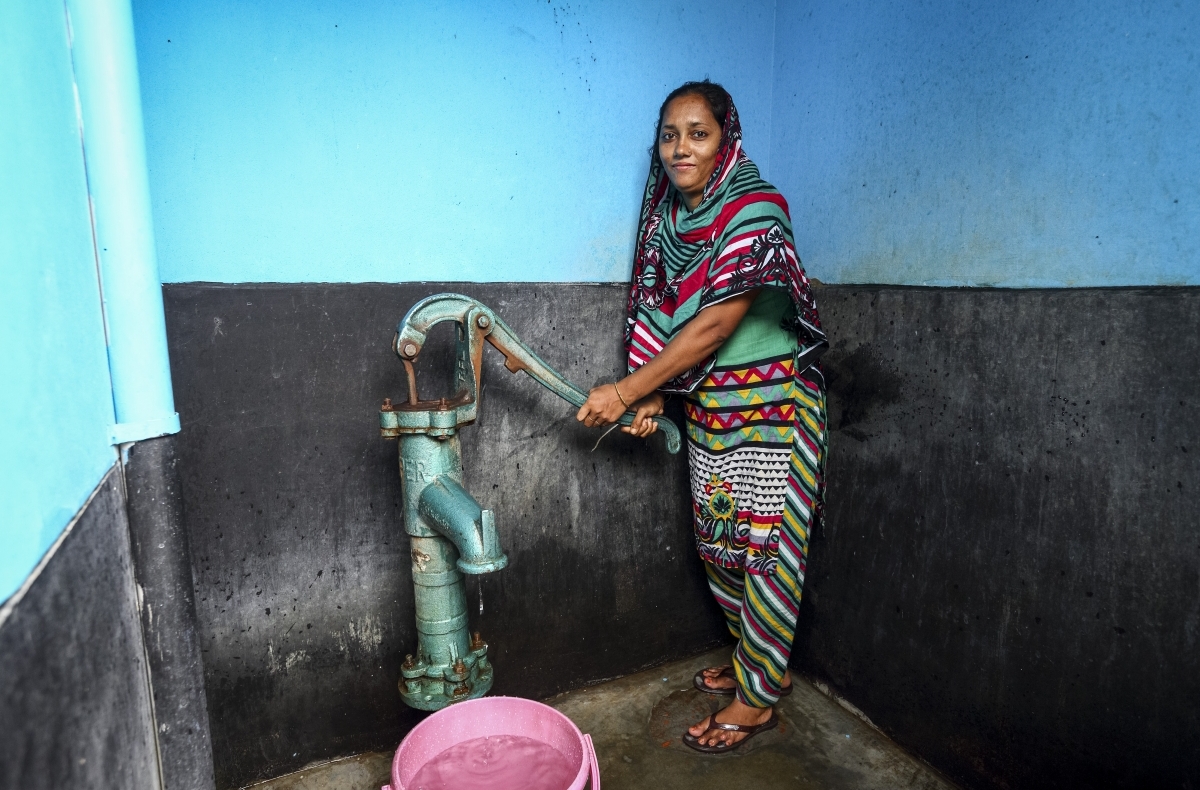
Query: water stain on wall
[[859, 383]]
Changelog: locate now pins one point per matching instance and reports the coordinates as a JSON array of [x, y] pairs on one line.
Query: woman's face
[[688, 138]]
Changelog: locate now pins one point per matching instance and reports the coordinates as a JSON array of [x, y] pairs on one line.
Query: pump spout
[[453, 513]]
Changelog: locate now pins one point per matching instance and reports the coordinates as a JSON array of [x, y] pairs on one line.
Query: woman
[[720, 311]]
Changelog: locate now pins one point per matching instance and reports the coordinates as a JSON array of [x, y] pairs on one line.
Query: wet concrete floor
[[635, 723]]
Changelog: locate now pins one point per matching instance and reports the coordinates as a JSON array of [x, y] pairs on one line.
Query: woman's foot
[[722, 678], [736, 713]]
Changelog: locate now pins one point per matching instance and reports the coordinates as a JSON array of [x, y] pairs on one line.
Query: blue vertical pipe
[[105, 62]]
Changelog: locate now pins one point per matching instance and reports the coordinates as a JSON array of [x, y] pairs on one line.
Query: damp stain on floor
[[636, 723]]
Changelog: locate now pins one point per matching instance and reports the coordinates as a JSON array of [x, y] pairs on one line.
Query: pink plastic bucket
[[488, 716]]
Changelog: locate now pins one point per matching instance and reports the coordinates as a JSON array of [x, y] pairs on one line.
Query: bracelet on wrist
[[618, 391]]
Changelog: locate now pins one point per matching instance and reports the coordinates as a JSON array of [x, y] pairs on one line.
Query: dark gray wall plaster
[[1007, 582], [303, 591], [75, 707], [162, 563], [1009, 579]]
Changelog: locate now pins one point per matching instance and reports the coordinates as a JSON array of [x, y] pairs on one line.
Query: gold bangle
[[618, 391]]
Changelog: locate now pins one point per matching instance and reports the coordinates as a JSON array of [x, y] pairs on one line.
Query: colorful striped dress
[[756, 454], [755, 409]]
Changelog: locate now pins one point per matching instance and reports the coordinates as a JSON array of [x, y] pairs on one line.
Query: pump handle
[[477, 322]]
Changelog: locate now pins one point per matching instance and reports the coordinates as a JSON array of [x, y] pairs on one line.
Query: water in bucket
[[495, 743], [497, 762]]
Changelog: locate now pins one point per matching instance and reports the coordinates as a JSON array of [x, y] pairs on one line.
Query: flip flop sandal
[[726, 672], [720, 747]]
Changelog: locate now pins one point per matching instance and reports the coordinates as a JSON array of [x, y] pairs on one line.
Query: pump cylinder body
[[440, 600], [449, 666]]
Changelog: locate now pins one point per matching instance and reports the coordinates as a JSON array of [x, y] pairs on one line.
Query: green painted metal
[[450, 533], [476, 323], [470, 528]]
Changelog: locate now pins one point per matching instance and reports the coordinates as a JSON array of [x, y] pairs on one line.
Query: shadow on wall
[[860, 384]]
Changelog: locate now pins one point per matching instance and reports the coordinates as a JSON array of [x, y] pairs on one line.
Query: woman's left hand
[[646, 410], [603, 407]]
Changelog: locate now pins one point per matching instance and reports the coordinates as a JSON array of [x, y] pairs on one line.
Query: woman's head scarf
[[738, 239]]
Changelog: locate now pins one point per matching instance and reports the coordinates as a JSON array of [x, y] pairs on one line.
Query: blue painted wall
[[948, 143], [980, 143], [400, 141], [55, 397]]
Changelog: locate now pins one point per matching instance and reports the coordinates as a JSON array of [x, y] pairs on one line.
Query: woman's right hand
[[645, 410]]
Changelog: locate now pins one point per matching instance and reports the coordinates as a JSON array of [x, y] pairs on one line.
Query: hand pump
[[450, 533]]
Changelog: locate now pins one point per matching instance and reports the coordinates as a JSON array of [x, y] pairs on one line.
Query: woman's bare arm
[[698, 339]]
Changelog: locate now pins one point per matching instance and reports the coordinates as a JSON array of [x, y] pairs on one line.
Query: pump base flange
[[434, 686]]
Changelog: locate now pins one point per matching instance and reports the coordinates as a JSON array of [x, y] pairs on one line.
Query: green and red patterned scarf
[[738, 239]]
